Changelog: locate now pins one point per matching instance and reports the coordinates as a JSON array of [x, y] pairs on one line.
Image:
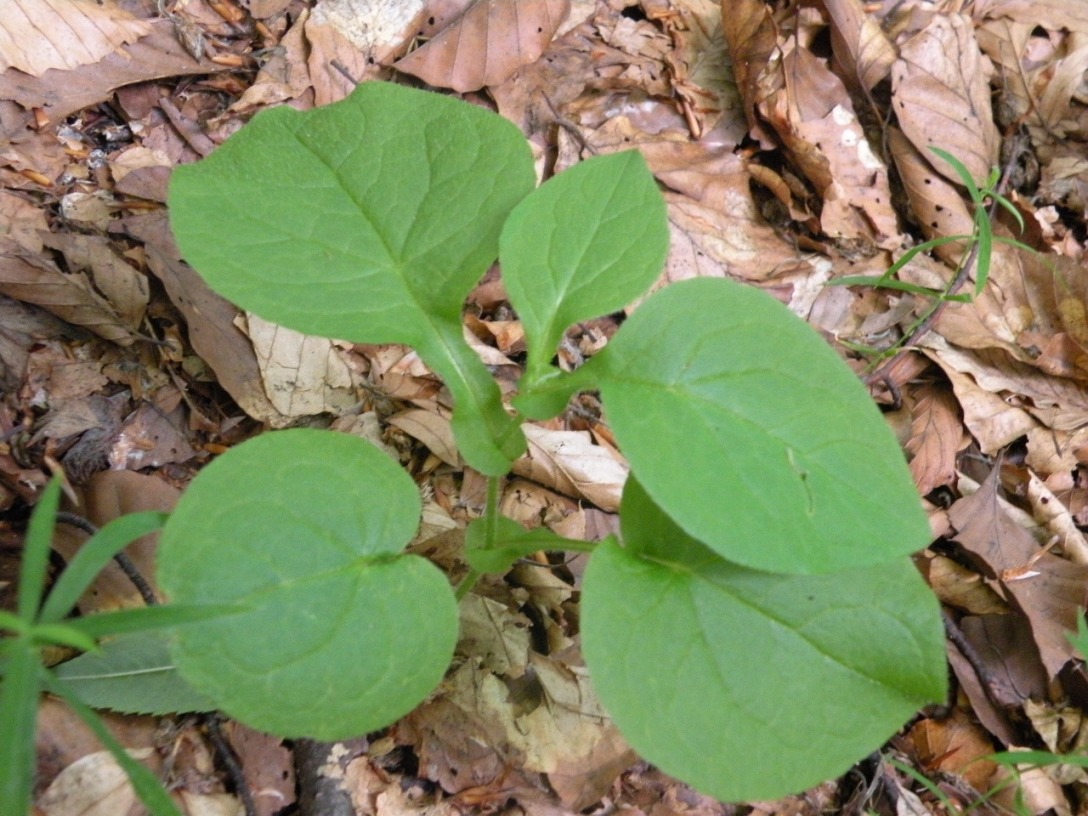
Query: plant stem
[[491, 535]]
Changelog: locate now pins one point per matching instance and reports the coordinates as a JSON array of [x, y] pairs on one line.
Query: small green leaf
[[751, 685], [586, 243], [746, 428], [19, 692], [39, 540], [133, 674], [345, 632], [368, 220], [514, 542], [95, 554]]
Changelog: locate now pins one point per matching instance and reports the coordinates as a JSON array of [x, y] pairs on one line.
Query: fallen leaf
[[569, 462], [487, 44]]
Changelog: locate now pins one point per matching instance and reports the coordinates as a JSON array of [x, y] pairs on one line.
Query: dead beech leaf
[[752, 35], [71, 297], [936, 437], [941, 95], [569, 462], [37, 35], [867, 54], [487, 44], [432, 429], [126, 289], [1048, 590]]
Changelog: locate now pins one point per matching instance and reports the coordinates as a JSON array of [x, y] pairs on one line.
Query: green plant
[[756, 627], [39, 623], [976, 256]]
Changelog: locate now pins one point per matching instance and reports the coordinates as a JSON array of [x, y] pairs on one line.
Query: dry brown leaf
[[936, 437], [861, 46], [432, 429], [124, 288], [1049, 590], [815, 119], [752, 36], [302, 375], [955, 745], [569, 462], [941, 96], [71, 297], [961, 587], [209, 318], [485, 46], [936, 203], [1051, 14], [37, 35]]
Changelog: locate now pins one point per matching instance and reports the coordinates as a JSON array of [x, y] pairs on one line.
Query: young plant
[[976, 255], [39, 623], [756, 627]]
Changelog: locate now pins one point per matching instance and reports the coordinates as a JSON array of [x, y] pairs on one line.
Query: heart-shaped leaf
[[746, 428], [751, 685], [345, 633], [367, 220], [586, 243]]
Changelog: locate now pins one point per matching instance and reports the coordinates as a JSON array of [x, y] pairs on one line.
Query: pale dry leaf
[[866, 53], [1004, 41], [302, 375], [935, 439], [376, 27], [485, 46], [493, 634], [569, 462], [432, 429], [94, 785], [39, 35], [941, 96], [752, 35], [1050, 14], [1053, 513]]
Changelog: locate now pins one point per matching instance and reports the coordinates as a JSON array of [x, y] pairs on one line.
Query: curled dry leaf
[[936, 437], [752, 36], [432, 429], [37, 35], [125, 289], [941, 95], [569, 462], [487, 44]]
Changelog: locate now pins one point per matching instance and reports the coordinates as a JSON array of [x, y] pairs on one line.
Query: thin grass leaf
[[1010, 208], [985, 250], [58, 634], [39, 538], [18, 713], [883, 283], [1001, 239], [13, 623], [926, 783], [145, 783], [962, 172], [95, 554], [1037, 759], [142, 619]]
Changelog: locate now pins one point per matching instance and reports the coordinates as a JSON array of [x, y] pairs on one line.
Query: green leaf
[[39, 540], [346, 633], [149, 618], [367, 220], [513, 542], [586, 243], [18, 712], [95, 554], [751, 685], [746, 428], [133, 674]]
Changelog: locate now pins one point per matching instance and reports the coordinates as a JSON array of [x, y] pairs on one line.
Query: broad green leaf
[[95, 554], [751, 685], [346, 633], [586, 243], [367, 220], [134, 674], [745, 427]]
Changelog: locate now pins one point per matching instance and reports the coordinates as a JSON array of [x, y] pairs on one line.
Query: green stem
[[491, 535]]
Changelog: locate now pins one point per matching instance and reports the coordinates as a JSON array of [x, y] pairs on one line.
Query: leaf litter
[[792, 144]]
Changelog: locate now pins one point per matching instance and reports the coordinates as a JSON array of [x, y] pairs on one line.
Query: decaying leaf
[[487, 44], [569, 462]]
